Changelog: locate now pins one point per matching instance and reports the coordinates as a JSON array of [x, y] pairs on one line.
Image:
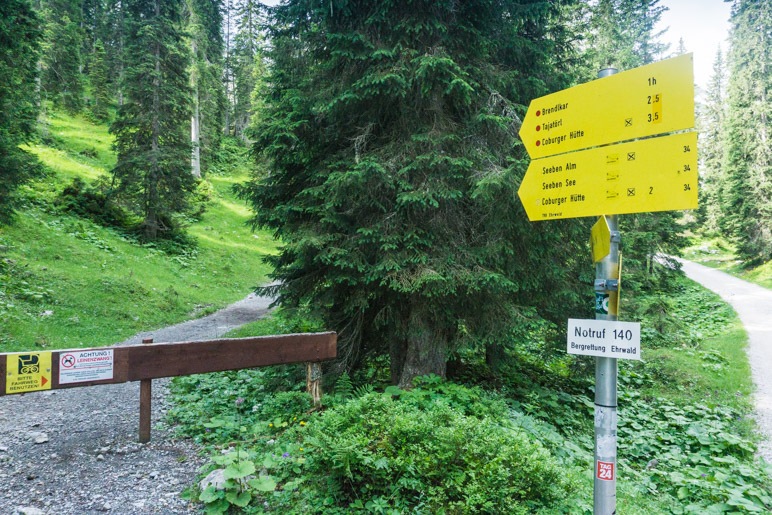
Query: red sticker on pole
[[604, 470]]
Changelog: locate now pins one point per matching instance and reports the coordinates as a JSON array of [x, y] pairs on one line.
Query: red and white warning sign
[[84, 366], [604, 470]]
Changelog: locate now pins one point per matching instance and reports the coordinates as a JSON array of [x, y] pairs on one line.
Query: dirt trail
[[753, 304], [75, 451]]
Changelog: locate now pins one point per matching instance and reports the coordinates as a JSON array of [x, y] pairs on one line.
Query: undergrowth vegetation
[[516, 442]]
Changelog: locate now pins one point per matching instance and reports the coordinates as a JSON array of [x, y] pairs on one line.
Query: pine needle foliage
[[391, 129], [151, 131], [19, 51], [746, 199]]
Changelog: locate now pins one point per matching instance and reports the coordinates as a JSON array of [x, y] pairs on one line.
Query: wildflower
[[270, 425], [239, 401], [285, 455], [302, 423], [301, 449]]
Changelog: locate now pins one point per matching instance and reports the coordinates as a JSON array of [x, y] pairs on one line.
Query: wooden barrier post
[[145, 405], [314, 382]]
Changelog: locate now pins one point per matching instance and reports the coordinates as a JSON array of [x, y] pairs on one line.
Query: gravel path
[[753, 304], [75, 451]]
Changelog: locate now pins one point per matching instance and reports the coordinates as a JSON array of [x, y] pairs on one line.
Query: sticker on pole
[[28, 372], [85, 366], [604, 470], [604, 338]]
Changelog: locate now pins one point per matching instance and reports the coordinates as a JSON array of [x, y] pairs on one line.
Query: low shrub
[[92, 201], [414, 452]]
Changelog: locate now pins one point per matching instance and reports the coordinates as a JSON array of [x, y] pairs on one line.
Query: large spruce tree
[[19, 47], [392, 133], [204, 26], [62, 78], [152, 130], [246, 63], [712, 141], [747, 193]]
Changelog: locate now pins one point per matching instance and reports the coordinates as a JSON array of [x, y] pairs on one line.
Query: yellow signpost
[[655, 174], [593, 154], [653, 99], [28, 372]]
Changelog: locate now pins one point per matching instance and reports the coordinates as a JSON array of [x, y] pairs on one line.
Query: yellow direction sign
[[653, 99], [655, 174], [28, 372]]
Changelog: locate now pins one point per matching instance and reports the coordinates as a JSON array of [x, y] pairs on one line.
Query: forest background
[[385, 158]]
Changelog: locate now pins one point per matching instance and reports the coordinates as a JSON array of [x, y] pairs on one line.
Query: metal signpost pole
[[606, 308]]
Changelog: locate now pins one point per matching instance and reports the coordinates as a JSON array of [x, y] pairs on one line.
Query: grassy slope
[[718, 253], [67, 282]]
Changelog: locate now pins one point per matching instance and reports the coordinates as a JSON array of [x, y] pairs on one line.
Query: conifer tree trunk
[[195, 124], [427, 348]]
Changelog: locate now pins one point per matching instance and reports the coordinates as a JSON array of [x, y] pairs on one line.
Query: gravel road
[[75, 451], [753, 304]]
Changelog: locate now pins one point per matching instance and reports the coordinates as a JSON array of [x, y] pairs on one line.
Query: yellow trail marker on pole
[[600, 239], [655, 174], [645, 101]]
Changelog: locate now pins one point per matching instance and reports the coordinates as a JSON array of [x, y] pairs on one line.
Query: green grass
[[720, 254], [67, 282], [716, 371]]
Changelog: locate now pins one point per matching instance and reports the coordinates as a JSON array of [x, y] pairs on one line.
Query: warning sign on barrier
[[85, 366], [28, 372]]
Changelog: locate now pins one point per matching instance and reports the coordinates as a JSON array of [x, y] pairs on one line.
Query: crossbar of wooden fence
[[45, 370]]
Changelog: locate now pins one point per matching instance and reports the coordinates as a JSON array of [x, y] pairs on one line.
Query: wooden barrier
[[22, 372]]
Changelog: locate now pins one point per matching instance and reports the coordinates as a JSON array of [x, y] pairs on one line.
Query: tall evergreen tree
[[621, 34], [151, 131], [19, 51], [747, 193], [209, 102], [62, 79], [247, 63], [712, 125], [392, 132], [100, 87], [113, 36]]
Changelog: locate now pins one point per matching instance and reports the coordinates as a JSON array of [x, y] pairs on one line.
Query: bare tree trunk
[[121, 50], [397, 351], [195, 122], [228, 71]]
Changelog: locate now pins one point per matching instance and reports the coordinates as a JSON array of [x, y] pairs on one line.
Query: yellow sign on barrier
[[28, 372], [655, 174], [654, 99]]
